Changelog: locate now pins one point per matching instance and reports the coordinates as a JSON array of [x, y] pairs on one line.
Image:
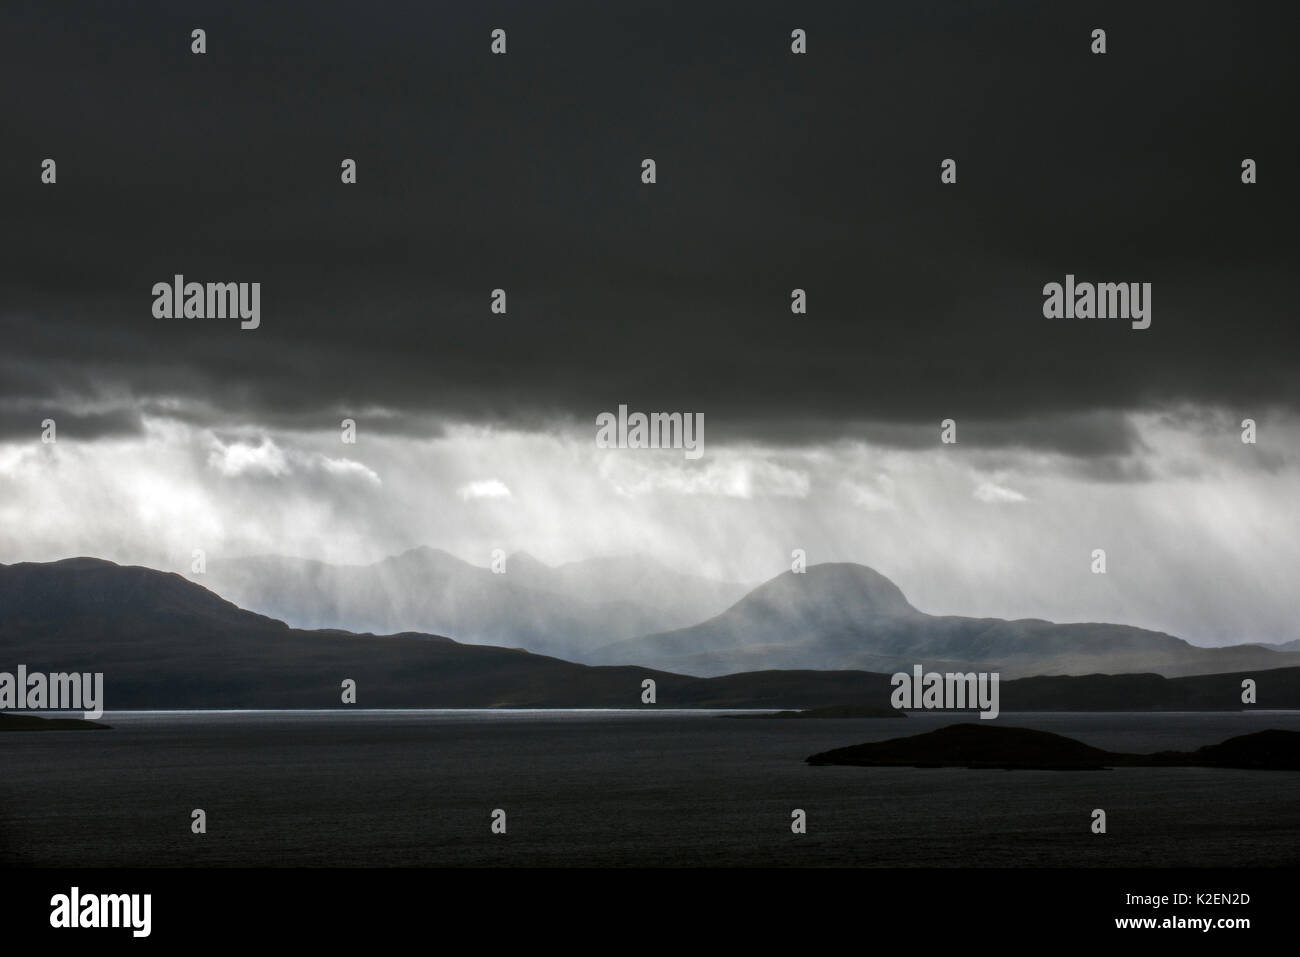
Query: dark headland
[[30, 722], [983, 746]]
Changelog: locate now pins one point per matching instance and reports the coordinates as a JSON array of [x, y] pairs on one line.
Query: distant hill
[[566, 610], [849, 616], [1285, 646], [164, 642], [986, 746]]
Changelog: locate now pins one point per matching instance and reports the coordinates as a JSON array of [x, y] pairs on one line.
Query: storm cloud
[[776, 172]]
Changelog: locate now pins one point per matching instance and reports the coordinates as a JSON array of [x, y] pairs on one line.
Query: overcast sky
[[775, 171]]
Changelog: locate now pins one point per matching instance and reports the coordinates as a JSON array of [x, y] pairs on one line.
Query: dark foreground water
[[616, 788]]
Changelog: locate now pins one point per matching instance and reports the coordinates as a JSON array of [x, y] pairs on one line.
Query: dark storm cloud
[[775, 172], [1082, 434], [27, 423]]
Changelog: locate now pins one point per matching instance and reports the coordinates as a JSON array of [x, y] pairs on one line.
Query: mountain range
[[634, 611], [162, 641], [850, 616]]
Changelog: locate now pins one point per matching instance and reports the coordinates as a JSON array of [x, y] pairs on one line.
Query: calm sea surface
[[616, 788]]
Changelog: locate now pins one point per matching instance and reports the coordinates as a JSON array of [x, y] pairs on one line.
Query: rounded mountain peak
[[833, 589]]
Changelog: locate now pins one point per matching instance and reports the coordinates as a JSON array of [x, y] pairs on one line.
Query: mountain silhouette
[[850, 616], [162, 641]]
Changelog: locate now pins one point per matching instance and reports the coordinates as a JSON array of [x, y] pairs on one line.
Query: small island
[[983, 746], [30, 722]]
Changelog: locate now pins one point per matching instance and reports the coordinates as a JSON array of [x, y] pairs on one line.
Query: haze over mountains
[[567, 610], [634, 611], [151, 626], [164, 642], [849, 616]]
